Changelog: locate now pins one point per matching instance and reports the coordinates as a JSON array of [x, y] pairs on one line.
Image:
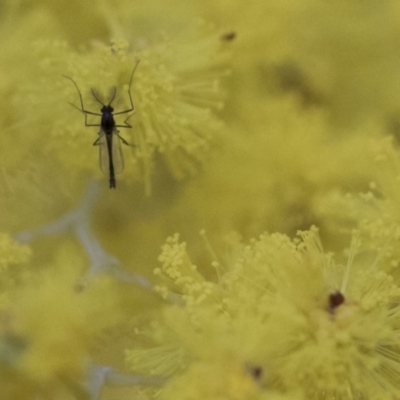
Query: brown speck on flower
[[255, 371], [335, 300], [228, 36]]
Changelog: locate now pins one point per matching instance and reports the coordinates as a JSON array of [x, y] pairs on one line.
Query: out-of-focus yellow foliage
[[249, 117]]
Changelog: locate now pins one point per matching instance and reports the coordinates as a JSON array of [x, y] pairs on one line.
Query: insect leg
[[127, 124], [129, 93], [82, 109], [123, 140], [96, 142]]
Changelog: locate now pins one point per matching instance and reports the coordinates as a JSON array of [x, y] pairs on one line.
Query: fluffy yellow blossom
[[374, 212], [339, 54], [181, 273], [175, 90], [48, 332], [12, 255], [285, 309], [271, 133], [222, 379], [272, 175]]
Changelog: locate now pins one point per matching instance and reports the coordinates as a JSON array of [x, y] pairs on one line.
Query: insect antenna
[[113, 92], [96, 96]]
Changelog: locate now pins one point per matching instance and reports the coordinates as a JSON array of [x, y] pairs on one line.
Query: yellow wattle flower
[[287, 308]]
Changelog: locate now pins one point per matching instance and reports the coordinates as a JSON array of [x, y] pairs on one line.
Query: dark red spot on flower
[[335, 300]]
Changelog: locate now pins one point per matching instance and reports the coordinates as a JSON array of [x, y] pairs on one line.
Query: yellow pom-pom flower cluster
[[272, 128], [287, 315]]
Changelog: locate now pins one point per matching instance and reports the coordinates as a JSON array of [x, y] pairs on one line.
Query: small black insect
[[111, 159]]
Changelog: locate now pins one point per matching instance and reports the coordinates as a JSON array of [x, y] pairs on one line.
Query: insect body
[[110, 157]]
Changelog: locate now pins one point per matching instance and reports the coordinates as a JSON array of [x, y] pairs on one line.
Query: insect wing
[[118, 158], [104, 159]]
